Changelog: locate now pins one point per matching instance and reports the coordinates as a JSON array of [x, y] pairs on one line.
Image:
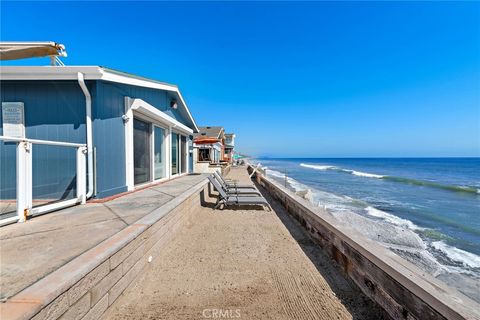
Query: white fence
[[24, 150]]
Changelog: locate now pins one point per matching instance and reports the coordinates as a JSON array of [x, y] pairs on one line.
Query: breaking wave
[[415, 182], [399, 235], [457, 255], [316, 167], [392, 218], [334, 168]]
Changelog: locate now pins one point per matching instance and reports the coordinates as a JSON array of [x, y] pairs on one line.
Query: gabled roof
[[210, 132], [93, 73]]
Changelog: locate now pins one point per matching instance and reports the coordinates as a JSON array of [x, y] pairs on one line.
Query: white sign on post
[[13, 119]]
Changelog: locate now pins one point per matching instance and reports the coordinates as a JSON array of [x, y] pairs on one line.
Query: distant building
[[229, 147], [209, 149]]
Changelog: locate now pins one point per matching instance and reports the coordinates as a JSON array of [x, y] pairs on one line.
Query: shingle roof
[[213, 132]]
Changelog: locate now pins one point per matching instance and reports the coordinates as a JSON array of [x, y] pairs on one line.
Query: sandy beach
[[247, 264]]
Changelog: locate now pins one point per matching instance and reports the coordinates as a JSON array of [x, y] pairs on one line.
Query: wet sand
[[247, 264]]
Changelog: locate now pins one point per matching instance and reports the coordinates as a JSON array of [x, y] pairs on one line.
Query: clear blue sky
[[291, 79]]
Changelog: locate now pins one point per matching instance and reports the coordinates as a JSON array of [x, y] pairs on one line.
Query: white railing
[[24, 178]]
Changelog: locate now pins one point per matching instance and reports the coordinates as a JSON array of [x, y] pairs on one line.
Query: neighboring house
[[229, 147], [209, 149], [140, 130]]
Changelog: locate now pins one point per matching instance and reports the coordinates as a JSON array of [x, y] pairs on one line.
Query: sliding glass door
[[179, 153], [183, 154], [159, 162], [175, 157], [141, 151], [150, 152]]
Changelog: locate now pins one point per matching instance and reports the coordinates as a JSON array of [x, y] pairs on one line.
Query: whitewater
[[400, 215]]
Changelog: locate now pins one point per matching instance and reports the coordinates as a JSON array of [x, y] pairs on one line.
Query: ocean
[[426, 210]]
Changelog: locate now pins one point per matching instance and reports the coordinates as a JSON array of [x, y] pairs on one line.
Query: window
[[175, 151], [183, 154], [141, 151], [159, 165], [203, 154]]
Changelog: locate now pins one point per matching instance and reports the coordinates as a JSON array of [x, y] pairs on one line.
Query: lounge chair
[[236, 192], [233, 188], [230, 183], [235, 199]]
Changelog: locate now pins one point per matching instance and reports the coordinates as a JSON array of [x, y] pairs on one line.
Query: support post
[[129, 157], [168, 153], [24, 180], [81, 175]]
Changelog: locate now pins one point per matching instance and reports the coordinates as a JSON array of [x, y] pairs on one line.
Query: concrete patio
[[30, 251]]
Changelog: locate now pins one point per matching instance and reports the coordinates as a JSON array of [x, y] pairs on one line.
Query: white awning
[[140, 106], [217, 146]]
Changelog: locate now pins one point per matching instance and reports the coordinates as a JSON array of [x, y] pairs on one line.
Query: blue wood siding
[[54, 110], [108, 129]]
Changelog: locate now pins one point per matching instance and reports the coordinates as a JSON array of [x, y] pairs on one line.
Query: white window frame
[[137, 108], [179, 158], [171, 153], [165, 135]]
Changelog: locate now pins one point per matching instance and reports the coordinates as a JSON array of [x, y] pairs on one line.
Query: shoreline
[[335, 236], [420, 254]]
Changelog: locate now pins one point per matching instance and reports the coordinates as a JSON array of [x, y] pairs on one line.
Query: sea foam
[[466, 258], [354, 172], [316, 167], [391, 218], [363, 174]]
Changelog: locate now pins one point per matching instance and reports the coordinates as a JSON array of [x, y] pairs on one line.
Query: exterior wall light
[[173, 104]]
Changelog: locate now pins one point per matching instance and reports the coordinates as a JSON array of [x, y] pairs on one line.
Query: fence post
[[81, 175], [24, 180]]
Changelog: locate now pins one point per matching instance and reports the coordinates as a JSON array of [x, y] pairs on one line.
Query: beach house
[[209, 149], [229, 147], [114, 130]]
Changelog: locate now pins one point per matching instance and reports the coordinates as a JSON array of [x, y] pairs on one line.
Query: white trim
[[24, 176], [54, 206], [81, 175], [90, 73], [187, 152], [139, 109], [181, 159], [89, 133], [47, 142], [171, 154], [152, 152], [128, 122], [150, 111], [4, 222], [70, 73], [164, 155], [168, 154], [24, 186], [185, 159]]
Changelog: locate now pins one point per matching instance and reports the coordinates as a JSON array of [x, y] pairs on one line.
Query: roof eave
[[90, 73]]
